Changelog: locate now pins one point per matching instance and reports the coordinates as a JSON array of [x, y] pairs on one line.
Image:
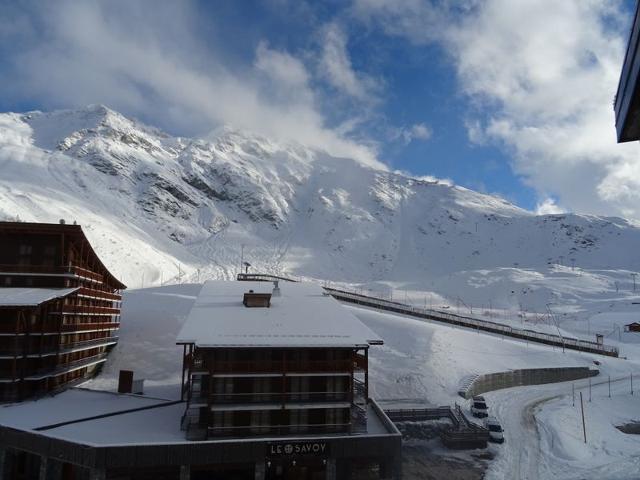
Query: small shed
[[632, 327]]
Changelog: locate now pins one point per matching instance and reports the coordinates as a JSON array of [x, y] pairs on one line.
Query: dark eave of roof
[[627, 102], [57, 229]]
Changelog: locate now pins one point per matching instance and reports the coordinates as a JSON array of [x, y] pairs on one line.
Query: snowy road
[[522, 456]]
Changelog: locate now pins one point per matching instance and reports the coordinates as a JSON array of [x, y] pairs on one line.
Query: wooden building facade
[[59, 308], [274, 391]]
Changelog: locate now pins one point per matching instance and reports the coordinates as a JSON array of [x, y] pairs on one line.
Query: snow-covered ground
[[161, 210], [423, 362]]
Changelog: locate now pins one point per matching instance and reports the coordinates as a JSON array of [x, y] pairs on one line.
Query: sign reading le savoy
[[298, 448]]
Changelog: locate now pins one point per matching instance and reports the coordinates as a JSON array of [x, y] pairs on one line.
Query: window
[[26, 249], [8, 281], [259, 420]]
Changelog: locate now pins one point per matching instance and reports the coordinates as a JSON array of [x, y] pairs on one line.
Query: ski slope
[[423, 362]]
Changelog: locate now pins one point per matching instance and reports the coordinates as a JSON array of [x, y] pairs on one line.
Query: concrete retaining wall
[[518, 378]]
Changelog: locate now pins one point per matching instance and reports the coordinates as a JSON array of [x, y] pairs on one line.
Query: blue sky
[[501, 96]]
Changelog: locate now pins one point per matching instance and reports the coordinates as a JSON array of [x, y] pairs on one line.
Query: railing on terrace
[[241, 431], [21, 328], [92, 292], [51, 270], [61, 369], [278, 366], [20, 350], [279, 397], [77, 327], [88, 310], [261, 277], [88, 343]]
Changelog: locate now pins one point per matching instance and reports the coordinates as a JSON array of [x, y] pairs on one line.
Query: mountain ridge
[[160, 207]]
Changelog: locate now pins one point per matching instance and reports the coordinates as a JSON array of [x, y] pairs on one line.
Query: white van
[[496, 434], [479, 407]]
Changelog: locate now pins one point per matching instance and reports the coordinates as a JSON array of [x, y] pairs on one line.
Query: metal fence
[[453, 319]]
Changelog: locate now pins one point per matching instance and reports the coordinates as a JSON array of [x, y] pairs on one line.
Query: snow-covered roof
[[31, 297], [100, 419], [302, 316]]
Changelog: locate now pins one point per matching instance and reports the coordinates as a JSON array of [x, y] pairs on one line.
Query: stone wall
[[519, 378]]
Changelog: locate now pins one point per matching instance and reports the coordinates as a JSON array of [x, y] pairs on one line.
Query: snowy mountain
[[160, 208]]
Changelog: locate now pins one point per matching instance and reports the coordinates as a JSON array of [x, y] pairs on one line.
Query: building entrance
[[295, 470]]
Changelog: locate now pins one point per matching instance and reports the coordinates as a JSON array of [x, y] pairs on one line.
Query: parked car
[[496, 434], [479, 407]]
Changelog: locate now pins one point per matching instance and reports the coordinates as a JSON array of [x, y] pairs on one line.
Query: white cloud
[[541, 76], [336, 67], [406, 135], [420, 131], [146, 59], [548, 206]]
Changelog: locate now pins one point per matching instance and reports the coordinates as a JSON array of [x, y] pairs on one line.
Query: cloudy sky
[[512, 97]]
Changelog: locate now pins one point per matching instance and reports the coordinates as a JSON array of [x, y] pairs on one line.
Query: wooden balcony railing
[[73, 327], [52, 270], [242, 431], [82, 309], [21, 329], [360, 362], [83, 272], [20, 350], [59, 369], [91, 292], [278, 366], [279, 397]]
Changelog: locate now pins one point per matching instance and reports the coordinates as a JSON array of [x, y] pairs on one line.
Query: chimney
[[125, 381], [276, 289], [62, 222], [252, 299]]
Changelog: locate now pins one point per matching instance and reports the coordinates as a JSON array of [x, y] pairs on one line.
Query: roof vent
[[252, 299], [276, 289]]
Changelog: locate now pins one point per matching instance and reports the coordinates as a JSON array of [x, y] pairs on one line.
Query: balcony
[[54, 371], [279, 366], [308, 429], [81, 327], [278, 397], [93, 293], [96, 342], [88, 310], [34, 350], [52, 270]]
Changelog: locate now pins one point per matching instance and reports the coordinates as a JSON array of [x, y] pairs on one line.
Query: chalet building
[[59, 308], [289, 364], [632, 327]]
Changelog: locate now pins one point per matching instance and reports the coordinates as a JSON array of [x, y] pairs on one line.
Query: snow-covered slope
[[160, 208]]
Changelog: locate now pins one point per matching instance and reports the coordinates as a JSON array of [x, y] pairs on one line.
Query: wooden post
[[184, 360], [573, 393], [589, 389], [366, 376], [584, 428], [631, 376], [609, 386]]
